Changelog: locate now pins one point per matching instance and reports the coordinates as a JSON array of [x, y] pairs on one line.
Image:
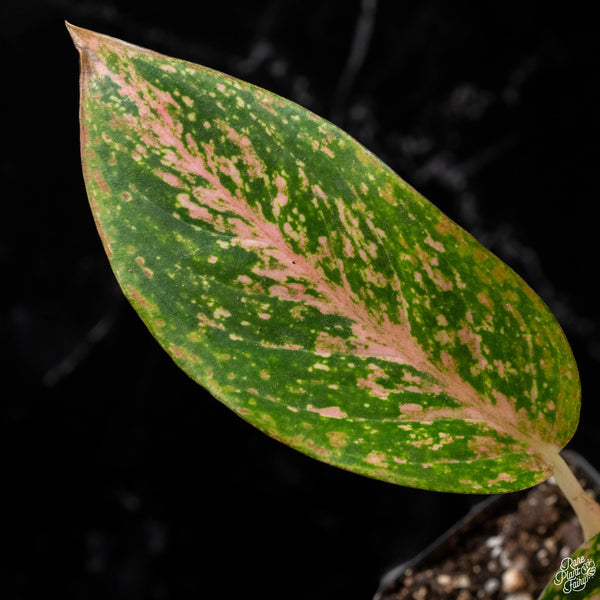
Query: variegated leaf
[[304, 284]]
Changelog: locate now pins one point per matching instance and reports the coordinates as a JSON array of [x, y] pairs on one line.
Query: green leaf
[[305, 285], [577, 578]]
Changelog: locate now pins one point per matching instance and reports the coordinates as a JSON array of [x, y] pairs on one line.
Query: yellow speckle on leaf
[[321, 367]]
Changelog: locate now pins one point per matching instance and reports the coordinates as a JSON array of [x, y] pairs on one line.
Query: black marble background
[[121, 478]]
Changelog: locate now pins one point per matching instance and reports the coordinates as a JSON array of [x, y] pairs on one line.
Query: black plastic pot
[[431, 566]]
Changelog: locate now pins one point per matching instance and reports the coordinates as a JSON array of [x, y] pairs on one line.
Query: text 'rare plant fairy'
[[298, 279]]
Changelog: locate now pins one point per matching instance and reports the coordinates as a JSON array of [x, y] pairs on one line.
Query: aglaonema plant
[[305, 285]]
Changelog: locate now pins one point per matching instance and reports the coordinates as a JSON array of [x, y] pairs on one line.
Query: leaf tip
[[74, 32], [82, 38]]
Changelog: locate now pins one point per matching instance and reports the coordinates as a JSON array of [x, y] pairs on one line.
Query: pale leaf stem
[[586, 509]]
